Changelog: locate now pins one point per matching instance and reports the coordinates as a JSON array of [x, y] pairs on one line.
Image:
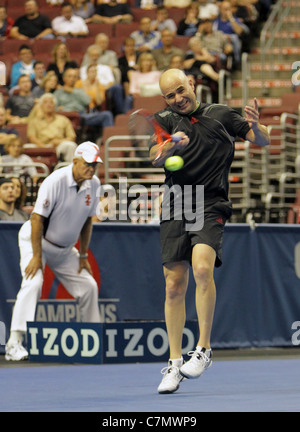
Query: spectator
[[49, 129], [146, 39], [164, 54], [177, 3], [70, 98], [24, 66], [6, 23], [107, 56], [93, 88], [115, 94], [83, 8], [232, 27], [61, 61], [207, 10], [69, 24], [199, 61], [147, 4], [128, 61], [188, 26], [144, 81], [6, 133], [21, 194], [18, 106], [163, 21], [32, 25], [111, 12], [39, 73], [8, 212], [48, 85], [15, 155], [215, 41]]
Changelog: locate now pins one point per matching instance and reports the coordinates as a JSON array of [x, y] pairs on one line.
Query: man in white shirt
[[69, 24], [66, 202]]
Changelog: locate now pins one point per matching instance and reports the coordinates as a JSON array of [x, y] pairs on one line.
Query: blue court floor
[[255, 385]]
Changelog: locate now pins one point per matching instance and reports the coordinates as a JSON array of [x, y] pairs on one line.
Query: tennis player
[[66, 202], [212, 130]]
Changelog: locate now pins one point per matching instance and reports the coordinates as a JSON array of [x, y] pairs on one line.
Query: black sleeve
[[239, 125]]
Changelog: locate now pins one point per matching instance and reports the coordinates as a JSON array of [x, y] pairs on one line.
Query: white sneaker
[[198, 363], [171, 379], [15, 351]]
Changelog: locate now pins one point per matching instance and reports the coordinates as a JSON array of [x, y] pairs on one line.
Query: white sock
[[207, 351], [177, 362], [15, 336]]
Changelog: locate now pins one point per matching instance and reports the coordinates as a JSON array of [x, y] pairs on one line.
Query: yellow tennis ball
[[174, 163]]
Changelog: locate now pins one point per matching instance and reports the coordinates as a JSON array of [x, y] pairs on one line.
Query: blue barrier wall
[[258, 287]]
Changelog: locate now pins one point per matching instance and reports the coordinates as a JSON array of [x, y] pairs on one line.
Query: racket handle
[[176, 138]]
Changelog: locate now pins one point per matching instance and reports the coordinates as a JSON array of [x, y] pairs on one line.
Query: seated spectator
[[188, 26], [177, 3], [24, 66], [61, 61], [48, 85], [70, 98], [8, 211], [39, 73], [115, 95], [15, 155], [128, 61], [93, 88], [147, 4], [21, 194], [164, 54], [18, 106], [6, 23], [162, 21], [145, 39], [207, 10], [215, 41], [69, 24], [111, 12], [83, 8], [32, 25], [144, 81], [199, 61], [248, 15], [232, 27], [49, 129], [107, 56], [6, 133]]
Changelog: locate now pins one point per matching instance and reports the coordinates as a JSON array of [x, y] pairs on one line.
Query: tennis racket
[[141, 122]]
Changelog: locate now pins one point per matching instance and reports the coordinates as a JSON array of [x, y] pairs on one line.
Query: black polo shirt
[[212, 130]]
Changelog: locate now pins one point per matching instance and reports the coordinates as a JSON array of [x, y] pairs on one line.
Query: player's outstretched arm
[[258, 133]]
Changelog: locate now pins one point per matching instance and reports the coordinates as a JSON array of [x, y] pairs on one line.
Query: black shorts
[[177, 242]]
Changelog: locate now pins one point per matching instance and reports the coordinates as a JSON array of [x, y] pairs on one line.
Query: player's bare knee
[[203, 275]]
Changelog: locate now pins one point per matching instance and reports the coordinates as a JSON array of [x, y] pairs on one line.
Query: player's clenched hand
[[183, 142], [34, 265], [84, 264]]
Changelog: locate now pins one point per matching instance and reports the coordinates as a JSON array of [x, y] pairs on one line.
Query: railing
[[268, 35]]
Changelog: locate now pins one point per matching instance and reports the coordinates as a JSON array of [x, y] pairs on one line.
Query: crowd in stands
[[83, 70]]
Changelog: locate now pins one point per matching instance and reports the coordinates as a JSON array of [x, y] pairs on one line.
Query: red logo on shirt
[[194, 120], [88, 200]]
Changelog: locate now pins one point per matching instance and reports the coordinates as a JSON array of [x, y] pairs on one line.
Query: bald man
[[191, 232]]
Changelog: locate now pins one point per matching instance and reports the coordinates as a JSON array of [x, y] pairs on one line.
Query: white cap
[[89, 151]]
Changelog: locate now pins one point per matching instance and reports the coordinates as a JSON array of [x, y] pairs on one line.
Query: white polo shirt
[[75, 25], [65, 208]]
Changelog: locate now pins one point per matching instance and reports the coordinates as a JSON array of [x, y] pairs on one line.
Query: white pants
[[64, 262]]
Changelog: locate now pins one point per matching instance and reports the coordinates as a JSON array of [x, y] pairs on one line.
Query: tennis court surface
[[254, 383]]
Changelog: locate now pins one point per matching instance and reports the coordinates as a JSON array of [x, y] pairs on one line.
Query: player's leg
[[25, 306], [176, 277], [203, 262], [82, 286]]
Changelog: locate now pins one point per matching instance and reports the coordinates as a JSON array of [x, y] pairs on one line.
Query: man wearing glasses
[[66, 202]]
